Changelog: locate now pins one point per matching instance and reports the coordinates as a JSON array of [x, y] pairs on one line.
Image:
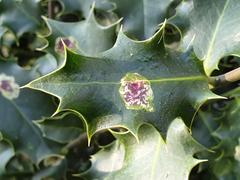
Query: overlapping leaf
[[227, 166], [181, 19], [45, 64], [6, 153], [216, 27], [62, 128], [16, 116], [88, 36], [90, 85], [150, 158], [83, 6], [20, 16], [222, 135], [2, 31], [56, 170], [141, 17]]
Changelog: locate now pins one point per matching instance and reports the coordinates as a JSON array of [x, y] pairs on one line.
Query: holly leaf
[[235, 93], [83, 6], [17, 115], [150, 158], [24, 135], [216, 27], [93, 87], [55, 169], [225, 162], [181, 16], [227, 165], [20, 16], [86, 36], [45, 64], [7, 152], [229, 120], [61, 128], [233, 114], [2, 31], [21, 76], [141, 18], [181, 19]]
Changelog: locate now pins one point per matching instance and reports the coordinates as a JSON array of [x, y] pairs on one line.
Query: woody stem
[[231, 76]]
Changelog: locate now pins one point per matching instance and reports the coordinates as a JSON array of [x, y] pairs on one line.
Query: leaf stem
[[228, 77]]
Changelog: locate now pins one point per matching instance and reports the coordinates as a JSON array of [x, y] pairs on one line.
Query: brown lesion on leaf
[[8, 87]]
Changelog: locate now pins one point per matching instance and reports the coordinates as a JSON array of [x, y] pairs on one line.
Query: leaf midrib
[[176, 79], [25, 119], [210, 48], [156, 158]]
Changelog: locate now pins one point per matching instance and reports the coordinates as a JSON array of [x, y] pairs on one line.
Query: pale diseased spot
[[68, 41], [8, 87], [136, 92]]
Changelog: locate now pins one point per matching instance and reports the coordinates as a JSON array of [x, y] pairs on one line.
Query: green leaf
[[225, 162], [90, 86], [20, 16], [229, 121], [21, 76], [150, 158], [235, 93], [6, 153], [229, 134], [233, 114], [56, 170], [83, 6], [216, 27], [181, 19], [86, 36], [18, 166], [18, 127], [17, 115], [61, 128], [2, 31], [46, 64], [28, 98], [142, 17], [42, 66]]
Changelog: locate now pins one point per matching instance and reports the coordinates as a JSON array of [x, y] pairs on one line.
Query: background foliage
[[69, 120]]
